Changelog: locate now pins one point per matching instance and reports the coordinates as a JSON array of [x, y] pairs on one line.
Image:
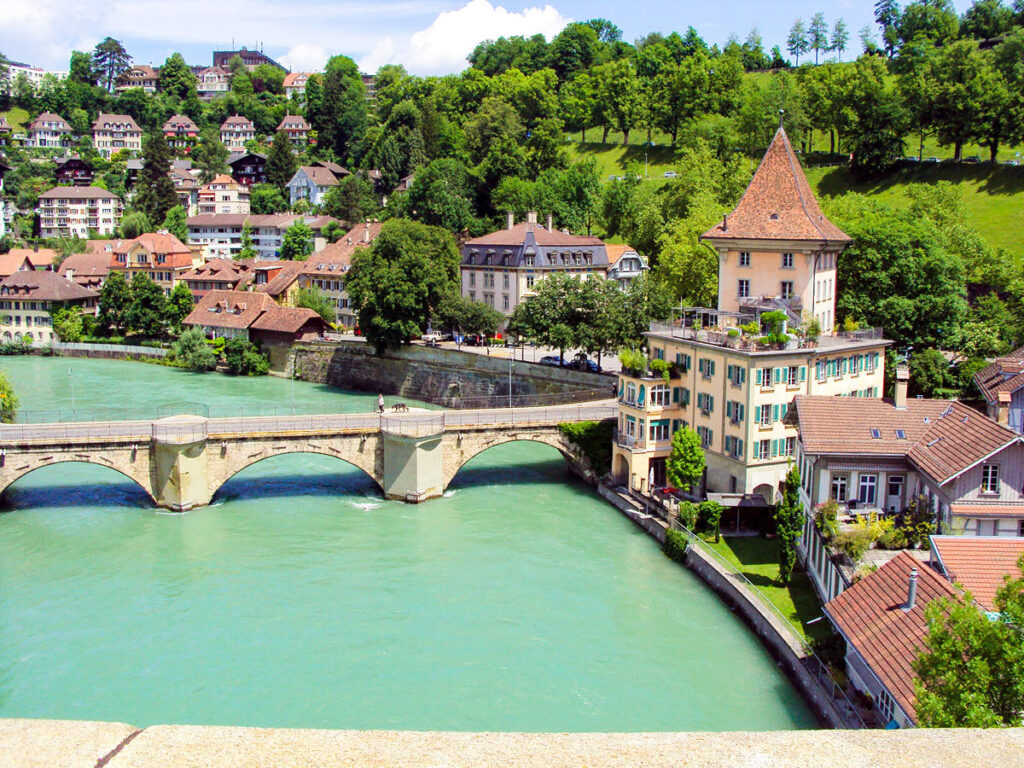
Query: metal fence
[[127, 349], [143, 413]]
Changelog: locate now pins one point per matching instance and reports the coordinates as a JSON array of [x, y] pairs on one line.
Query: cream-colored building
[[777, 258], [235, 131], [112, 133], [29, 296], [501, 268], [78, 212], [223, 195]]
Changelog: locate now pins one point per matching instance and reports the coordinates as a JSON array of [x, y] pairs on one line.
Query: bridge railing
[[179, 432], [80, 430], [418, 425]]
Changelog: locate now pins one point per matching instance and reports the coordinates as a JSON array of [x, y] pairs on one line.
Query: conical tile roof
[[778, 204]]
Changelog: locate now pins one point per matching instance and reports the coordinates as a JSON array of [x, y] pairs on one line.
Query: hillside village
[[844, 373]]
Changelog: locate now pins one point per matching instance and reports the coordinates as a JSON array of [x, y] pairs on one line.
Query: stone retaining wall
[[438, 375], [71, 744]]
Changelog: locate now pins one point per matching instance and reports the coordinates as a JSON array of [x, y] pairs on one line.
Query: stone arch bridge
[[181, 461]]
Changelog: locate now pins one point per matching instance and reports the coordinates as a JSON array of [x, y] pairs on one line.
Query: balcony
[[630, 442], [720, 338]]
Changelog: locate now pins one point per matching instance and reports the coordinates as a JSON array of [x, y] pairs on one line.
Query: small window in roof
[[900, 434], [774, 217], [876, 434]]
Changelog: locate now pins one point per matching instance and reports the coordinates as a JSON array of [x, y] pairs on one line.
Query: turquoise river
[[520, 602]]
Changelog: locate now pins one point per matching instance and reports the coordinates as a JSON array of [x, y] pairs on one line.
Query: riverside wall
[[75, 744], [438, 375]]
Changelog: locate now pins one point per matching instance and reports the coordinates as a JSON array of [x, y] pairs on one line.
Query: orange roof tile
[[286, 319], [229, 309], [842, 425], [870, 616], [958, 440], [980, 564], [778, 204], [1003, 376], [517, 236]]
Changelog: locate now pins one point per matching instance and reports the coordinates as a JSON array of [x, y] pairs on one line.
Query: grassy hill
[[17, 118]]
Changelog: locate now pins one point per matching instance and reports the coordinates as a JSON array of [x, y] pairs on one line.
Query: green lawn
[[616, 159], [16, 118], [757, 559]]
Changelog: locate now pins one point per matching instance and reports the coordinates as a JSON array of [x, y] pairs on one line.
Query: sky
[[428, 37]]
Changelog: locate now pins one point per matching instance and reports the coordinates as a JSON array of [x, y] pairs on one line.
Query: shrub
[[826, 519], [709, 518], [688, 514], [244, 359], [594, 439], [675, 545], [894, 538], [633, 360], [662, 368], [192, 351], [853, 543]]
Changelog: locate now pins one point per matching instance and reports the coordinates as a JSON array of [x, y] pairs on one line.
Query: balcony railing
[[630, 442], [722, 339]]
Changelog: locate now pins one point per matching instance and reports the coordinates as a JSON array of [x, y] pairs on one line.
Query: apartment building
[[223, 195], [221, 233], [235, 131], [212, 82], [625, 265], [78, 212], [48, 130], [311, 183], [113, 133], [159, 255], [138, 76], [27, 299], [297, 130], [181, 133], [501, 268]]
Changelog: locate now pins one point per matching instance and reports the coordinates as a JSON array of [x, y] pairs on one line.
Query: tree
[[154, 191], [797, 42], [313, 298], [933, 21], [81, 70], [281, 164], [297, 244], [244, 359], [619, 94], [179, 304], [875, 116], [176, 222], [115, 301], [887, 16], [789, 522], [442, 195], [67, 323], [177, 78], [248, 250], [191, 349], [147, 312], [397, 283], [464, 317], [210, 156], [929, 372], [266, 198], [110, 60], [351, 200], [134, 224], [840, 37], [970, 673], [573, 49], [685, 465], [8, 400], [340, 120], [986, 19], [817, 38]]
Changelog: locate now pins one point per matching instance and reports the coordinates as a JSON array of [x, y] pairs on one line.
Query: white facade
[[70, 215]]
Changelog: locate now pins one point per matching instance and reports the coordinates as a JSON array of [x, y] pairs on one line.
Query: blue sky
[[427, 36]]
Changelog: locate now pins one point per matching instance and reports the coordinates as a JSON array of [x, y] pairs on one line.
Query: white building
[[78, 212]]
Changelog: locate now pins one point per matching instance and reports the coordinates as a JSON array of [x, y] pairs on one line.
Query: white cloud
[[442, 47], [305, 57]]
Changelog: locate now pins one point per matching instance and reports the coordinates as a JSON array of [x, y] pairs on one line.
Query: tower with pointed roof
[[777, 247]]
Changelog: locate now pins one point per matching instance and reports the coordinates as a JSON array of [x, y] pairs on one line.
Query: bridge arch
[[233, 468], [461, 450], [137, 471]]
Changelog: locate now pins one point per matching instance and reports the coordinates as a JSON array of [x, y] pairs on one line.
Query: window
[[793, 376], [990, 478], [472, 278], [631, 393], [787, 261], [744, 259], [706, 367], [839, 488], [886, 706], [868, 487], [659, 353], [505, 301], [734, 411], [660, 395], [504, 280], [876, 434], [681, 395], [744, 289], [683, 361], [659, 430], [736, 375], [734, 448], [529, 282], [790, 446], [763, 414], [706, 436], [787, 289], [764, 448], [705, 402]]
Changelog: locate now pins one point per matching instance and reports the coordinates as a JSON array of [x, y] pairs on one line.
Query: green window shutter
[[728, 371], [741, 409], [757, 414], [777, 375], [642, 397], [743, 375], [712, 373], [817, 370], [803, 373], [740, 448], [775, 412], [711, 403], [686, 396], [728, 409], [775, 448]]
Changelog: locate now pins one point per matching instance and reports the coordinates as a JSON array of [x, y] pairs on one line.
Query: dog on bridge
[[400, 408]]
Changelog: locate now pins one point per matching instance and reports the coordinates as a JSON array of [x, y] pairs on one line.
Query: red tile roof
[[86, 268], [229, 271], [286, 319], [870, 616], [237, 120], [108, 122], [1005, 375], [180, 122], [322, 177], [44, 286], [616, 251], [280, 282], [293, 123], [38, 257], [778, 204], [957, 441], [164, 243], [517, 236], [79, 193], [986, 509], [49, 117], [11, 262], [229, 309], [979, 563]]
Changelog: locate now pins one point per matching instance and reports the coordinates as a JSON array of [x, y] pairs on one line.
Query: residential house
[[369, 86], [78, 211], [278, 328], [882, 620], [14, 261], [4, 169], [138, 76], [310, 183], [251, 59], [186, 188], [980, 564], [625, 264], [235, 131], [223, 195], [89, 270], [34, 75], [501, 268], [228, 314], [731, 389], [218, 275], [5, 131], [27, 298], [297, 130], [74, 171], [181, 133], [1001, 383], [248, 168], [38, 258], [159, 255], [113, 133], [48, 130], [212, 82], [295, 83], [222, 233], [777, 245]]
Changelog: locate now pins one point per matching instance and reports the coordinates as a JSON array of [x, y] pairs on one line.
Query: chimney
[[902, 380], [531, 217], [911, 591], [1003, 402], [511, 219], [550, 222], [725, 222], [366, 233]]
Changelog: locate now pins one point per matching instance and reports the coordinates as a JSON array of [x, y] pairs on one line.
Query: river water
[[521, 601]]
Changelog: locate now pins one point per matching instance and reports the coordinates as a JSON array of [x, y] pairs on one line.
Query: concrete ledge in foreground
[[114, 745]]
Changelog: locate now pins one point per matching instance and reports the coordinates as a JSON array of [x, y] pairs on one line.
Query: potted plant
[[732, 338]]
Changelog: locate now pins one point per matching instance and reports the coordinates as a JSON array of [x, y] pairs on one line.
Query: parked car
[[585, 365], [972, 159], [910, 159], [931, 160], [670, 174], [1010, 162], [552, 360]]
